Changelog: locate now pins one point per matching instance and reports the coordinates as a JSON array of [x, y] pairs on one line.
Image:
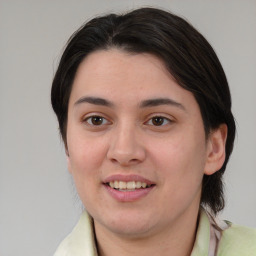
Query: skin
[[173, 155]]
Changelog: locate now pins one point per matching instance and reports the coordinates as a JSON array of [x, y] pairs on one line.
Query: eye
[[96, 120], [159, 121]]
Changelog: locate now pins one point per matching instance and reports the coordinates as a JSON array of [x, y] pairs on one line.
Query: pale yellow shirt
[[214, 238]]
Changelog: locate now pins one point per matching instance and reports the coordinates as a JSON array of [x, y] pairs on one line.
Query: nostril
[[126, 152], [124, 161]]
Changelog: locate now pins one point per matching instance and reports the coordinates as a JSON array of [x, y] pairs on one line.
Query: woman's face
[[136, 143]]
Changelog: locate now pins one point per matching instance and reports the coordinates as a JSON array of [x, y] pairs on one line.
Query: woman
[[144, 110]]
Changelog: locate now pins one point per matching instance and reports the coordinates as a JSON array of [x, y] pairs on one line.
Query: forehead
[[120, 64], [125, 77]]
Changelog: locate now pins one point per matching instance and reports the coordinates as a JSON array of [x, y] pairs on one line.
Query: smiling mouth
[[128, 186]]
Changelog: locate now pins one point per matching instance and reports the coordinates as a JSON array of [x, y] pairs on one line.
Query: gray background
[[38, 205]]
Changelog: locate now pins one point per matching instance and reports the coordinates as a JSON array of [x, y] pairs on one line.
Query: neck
[[177, 239]]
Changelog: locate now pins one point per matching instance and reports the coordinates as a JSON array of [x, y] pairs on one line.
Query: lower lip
[[128, 196]]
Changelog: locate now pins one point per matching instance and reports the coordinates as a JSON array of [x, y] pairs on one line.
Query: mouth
[[128, 186]]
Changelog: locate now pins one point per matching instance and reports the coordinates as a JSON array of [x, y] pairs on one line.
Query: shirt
[[213, 238]]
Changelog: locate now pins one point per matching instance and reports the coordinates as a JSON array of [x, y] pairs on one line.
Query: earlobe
[[216, 149]]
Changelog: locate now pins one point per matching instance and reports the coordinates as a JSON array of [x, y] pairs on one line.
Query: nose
[[126, 147]]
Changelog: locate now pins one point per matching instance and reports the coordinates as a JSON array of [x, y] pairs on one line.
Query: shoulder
[[237, 241]]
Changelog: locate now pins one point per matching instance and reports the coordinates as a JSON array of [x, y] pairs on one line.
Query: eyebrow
[[144, 104], [161, 101], [95, 101]]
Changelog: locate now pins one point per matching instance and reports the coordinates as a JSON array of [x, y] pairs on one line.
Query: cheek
[[85, 161], [181, 162], [85, 157], [181, 151]]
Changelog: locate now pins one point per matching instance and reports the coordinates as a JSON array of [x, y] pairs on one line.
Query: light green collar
[[201, 246], [81, 241], [233, 241]]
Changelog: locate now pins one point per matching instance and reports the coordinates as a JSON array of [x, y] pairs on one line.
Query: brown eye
[[158, 120], [96, 120]]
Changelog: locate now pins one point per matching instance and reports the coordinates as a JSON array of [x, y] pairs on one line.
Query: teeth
[[130, 185], [143, 184], [116, 184], [122, 185], [138, 184]]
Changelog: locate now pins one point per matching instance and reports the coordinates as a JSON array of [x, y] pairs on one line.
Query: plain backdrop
[[38, 203]]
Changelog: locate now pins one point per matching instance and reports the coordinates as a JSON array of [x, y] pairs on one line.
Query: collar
[[81, 240]]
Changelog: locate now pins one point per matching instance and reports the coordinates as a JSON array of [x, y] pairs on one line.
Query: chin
[[128, 224], [132, 231]]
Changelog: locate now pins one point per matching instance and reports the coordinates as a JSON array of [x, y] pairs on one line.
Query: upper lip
[[126, 178]]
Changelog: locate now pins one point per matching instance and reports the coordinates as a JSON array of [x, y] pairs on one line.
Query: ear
[[216, 153]]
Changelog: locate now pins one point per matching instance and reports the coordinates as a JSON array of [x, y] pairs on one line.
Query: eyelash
[[165, 121], [103, 121]]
